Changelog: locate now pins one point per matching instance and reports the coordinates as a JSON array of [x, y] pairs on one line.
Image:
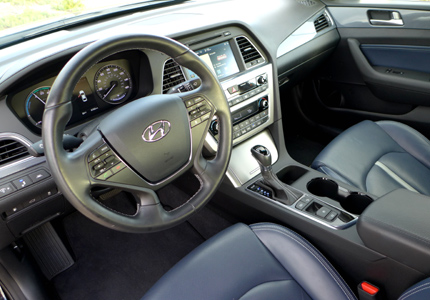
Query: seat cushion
[[378, 158], [264, 261], [420, 291]]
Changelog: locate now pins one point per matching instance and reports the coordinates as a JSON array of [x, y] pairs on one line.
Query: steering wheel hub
[[151, 135]]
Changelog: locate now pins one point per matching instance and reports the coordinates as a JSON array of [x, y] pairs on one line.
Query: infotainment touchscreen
[[220, 58]]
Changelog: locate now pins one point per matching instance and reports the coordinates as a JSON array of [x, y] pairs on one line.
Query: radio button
[[230, 103], [236, 128], [236, 101], [237, 134], [243, 131]]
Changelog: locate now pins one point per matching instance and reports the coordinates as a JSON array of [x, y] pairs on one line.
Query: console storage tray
[[397, 225]]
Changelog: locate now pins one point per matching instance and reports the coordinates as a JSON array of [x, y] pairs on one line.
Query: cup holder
[[352, 202]]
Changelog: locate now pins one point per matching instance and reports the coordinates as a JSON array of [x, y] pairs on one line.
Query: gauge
[[113, 84], [35, 105]]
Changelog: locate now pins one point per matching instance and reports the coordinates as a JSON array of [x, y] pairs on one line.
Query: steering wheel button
[[198, 99], [205, 117], [194, 113], [195, 122], [110, 158], [105, 175], [118, 168], [98, 166], [103, 149], [93, 156], [189, 103]]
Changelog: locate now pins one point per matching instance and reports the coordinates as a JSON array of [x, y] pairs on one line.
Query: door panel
[[377, 72]]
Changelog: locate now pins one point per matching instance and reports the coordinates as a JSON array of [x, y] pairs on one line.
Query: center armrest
[[398, 226]]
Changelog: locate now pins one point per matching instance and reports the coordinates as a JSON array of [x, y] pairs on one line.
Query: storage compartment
[[353, 202], [290, 174]]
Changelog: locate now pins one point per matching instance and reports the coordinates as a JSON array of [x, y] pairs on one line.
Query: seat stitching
[[415, 292], [386, 169], [312, 252], [262, 284], [415, 288]]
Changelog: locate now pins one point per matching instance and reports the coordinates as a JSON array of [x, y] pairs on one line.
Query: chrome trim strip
[[304, 34], [334, 225]]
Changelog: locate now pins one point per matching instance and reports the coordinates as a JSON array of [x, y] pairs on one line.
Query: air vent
[[250, 54], [11, 150], [321, 23], [308, 3], [172, 75]]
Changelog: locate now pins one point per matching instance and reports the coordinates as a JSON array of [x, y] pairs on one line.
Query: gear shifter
[[282, 192]]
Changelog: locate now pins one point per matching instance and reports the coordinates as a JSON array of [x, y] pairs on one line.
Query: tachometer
[[113, 84], [35, 105]]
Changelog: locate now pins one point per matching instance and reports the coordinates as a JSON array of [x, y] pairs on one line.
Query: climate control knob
[[263, 104]]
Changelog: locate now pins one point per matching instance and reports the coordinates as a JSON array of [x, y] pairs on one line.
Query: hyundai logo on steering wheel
[[156, 131]]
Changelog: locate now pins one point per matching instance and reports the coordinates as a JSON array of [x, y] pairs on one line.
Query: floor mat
[[116, 265]]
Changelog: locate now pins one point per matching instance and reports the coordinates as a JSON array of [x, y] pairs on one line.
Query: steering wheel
[[142, 146]]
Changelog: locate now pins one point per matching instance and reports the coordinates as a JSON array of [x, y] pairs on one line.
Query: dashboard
[[249, 58]]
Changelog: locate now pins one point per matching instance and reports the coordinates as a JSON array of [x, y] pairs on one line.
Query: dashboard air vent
[[172, 75], [250, 54], [308, 3], [11, 150], [321, 23]]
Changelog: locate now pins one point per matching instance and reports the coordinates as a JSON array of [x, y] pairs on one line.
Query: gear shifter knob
[[283, 193], [262, 155]]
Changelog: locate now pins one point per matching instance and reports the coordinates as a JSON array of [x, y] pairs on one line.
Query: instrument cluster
[[104, 86]]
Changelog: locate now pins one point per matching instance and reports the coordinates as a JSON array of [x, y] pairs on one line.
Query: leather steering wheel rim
[[71, 170]]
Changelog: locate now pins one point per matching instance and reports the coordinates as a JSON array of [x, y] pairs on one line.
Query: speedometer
[[35, 105], [113, 84]]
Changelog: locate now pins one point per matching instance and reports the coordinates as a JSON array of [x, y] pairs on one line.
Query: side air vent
[[172, 75], [250, 54], [321, 23], [11, 150]]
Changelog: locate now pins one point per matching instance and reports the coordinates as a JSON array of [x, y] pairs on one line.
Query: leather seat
[[378, 157], [262, 261]]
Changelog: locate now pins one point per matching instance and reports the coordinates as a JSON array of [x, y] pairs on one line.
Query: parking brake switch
[[282, 192]]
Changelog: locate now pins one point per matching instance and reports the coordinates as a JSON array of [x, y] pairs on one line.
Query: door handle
[[385, 18]]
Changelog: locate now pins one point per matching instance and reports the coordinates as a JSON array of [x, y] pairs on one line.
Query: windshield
[[20, 19]]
